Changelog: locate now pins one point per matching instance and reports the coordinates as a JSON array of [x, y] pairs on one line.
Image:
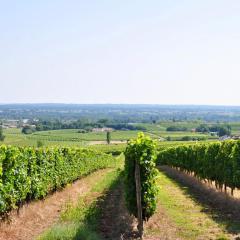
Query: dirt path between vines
[[33, 218], [117, 224]]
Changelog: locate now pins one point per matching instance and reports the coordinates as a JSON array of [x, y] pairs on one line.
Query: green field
[[163, 125], [71, 137], [68, 137], [83, 219]]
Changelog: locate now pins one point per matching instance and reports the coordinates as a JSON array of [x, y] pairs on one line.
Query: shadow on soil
[[222, 208], [108, 217]]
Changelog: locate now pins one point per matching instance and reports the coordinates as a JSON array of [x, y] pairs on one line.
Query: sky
[[121, 51]]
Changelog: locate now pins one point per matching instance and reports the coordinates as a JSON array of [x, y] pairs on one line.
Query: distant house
[[25, 121], [10, 123], [102, 129], [236, 137], [225, 137], [213, 133], [30, 125]]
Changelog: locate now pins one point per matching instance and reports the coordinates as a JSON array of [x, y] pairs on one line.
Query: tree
[[168, 138], [176, 128], [27, 130], [202, 128], [103, 121], [224, 131], [2, 137], [108, 137], [40, 143]]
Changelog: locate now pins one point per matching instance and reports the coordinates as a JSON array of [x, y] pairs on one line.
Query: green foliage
[[86, 124], [40, 143], [143, 150], [191, 138], [27, 130], [219, 162], [224, 131], [221, 130], [176, 128], [2, 137], [203, 128], [29, 173], [108, 137], [114, 149]]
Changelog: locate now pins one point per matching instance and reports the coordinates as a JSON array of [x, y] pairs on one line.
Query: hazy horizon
[[121, 52], [147, 104]]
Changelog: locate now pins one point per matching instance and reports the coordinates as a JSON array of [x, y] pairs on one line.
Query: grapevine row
[[142, 151], [218, 162], [31, 173]]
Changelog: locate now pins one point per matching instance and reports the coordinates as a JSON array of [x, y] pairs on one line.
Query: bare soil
[[115, 221], [34, 218], [117, 224], [166, 230]]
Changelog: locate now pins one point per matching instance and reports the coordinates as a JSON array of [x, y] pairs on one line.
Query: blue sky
[[162, 52]]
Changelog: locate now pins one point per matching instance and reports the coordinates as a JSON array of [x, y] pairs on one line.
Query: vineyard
[[75, 138], [215, 162], [29, 173]]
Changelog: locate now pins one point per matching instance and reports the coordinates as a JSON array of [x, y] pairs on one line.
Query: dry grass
[[220, 208], [33, 218]]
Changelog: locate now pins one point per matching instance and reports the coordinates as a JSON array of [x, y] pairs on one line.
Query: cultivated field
[[93, 207], [72, 137]]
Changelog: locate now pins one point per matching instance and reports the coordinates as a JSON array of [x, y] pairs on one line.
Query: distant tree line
[[176, 128], [125, 126], [124, 113], [186, 138], [84, 124], [44, 125], [221, 130]]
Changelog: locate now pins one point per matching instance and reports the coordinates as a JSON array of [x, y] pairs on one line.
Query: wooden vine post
[[139, 198]]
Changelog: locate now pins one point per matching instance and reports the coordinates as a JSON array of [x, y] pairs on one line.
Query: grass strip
[[80, 221], [188, 215]]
